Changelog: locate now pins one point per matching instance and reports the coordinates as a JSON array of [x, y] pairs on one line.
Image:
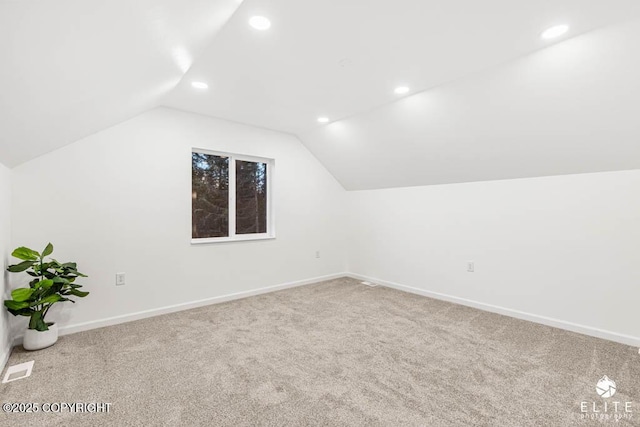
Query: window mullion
[[270, 211], [232, 197]]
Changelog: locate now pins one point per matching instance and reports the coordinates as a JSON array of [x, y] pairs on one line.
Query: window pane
[[251, 197], [210, 196]]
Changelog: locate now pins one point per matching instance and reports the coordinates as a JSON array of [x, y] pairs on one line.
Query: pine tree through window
[[230, 197], [251, 197], [210, 196]]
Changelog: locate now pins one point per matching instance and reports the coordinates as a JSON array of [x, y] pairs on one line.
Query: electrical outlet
[[120, 279], [317, 254], [471, 266]]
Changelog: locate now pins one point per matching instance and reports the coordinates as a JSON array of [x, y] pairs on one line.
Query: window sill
[[242, 238]]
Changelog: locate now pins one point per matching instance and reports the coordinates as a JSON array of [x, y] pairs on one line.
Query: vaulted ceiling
[[70, 68], [489, 98], [338, 58], [571, 108]]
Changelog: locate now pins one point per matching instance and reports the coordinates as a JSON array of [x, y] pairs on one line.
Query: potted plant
[[53, 282]]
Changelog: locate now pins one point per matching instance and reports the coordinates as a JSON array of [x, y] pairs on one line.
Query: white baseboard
[[573, 327], [110, 321], [548, 321]]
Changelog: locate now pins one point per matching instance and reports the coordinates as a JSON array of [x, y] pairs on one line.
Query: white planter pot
[[36, 340]]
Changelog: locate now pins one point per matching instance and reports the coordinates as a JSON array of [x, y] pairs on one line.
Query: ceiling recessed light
[[555, 31], [401, 90], [199, 85], [260, 23], [323, 119]]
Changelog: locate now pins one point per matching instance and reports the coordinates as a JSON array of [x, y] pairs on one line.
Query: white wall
[[565, 247], [560, 250], [5, 250], [120, 201]]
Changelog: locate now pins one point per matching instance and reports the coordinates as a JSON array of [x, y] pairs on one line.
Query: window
[[231, 197]]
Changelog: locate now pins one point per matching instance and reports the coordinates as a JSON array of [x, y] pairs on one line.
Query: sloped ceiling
[[339, 58], [571, 108], [69, 68], [489, 98]]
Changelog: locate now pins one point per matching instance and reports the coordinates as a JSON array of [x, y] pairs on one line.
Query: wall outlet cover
[[120, 279]]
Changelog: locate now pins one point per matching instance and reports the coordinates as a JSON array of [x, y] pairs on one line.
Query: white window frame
[[233, 237]]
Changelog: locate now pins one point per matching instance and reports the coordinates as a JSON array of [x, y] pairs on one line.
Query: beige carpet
[[333, 353]]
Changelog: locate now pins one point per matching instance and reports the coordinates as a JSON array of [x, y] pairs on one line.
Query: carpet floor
[[335, 353]]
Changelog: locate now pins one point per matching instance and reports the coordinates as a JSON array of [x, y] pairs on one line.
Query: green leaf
[[63, 283], [45, 284], [21, 294], [48, 250], [15, 305], [25, 254], [22, 312], [78, 293], [73, 274], [48, 300], [17, 268]]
